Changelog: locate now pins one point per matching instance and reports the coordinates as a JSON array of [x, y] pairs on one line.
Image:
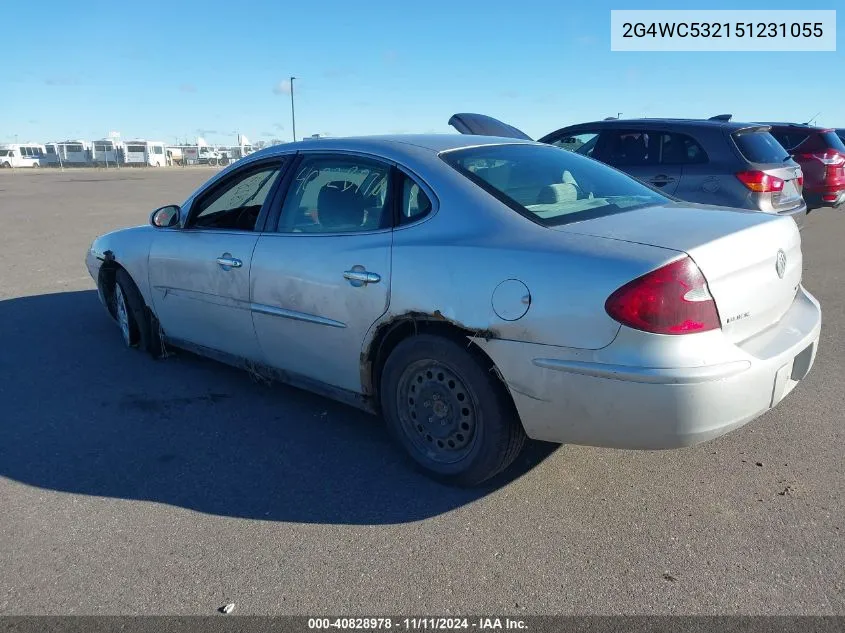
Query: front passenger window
[[582, 143], [236, 203]]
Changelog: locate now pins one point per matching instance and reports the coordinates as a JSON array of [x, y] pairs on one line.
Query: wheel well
[[389, 335], [106, 281]]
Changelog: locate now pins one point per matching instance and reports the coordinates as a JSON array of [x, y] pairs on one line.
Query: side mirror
[[165, 217]]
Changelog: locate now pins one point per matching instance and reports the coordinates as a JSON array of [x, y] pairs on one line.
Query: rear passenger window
[[415, 203], [680, 149], [631, 148], [337, 194]]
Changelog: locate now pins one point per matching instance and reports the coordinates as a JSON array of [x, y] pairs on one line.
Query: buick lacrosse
[[473, 291]]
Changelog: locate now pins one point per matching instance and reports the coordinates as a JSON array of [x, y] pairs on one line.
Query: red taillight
[[673, 299], [760, 181], [833, 161], [800, 180], [828, 157]]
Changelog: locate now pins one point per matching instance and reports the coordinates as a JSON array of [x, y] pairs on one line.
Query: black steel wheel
[[449, 410]]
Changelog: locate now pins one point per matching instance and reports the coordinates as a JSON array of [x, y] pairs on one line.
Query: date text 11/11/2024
[[417, 624]]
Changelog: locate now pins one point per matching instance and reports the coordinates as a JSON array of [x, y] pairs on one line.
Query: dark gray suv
[[709, 161]]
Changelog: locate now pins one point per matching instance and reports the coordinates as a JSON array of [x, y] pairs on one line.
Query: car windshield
[[5, 152], [550, 185]]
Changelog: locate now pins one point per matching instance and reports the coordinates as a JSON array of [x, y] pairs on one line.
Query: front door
[[199, 272], [322, 279]]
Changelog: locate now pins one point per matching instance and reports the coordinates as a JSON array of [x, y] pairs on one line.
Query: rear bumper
[[566, 399], [818, 199], [799, 214]]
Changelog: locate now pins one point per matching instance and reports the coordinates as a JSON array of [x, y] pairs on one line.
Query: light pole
[[292, 113]]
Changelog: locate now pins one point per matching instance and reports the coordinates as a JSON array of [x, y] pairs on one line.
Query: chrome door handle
[[226, 262], [361, 277]]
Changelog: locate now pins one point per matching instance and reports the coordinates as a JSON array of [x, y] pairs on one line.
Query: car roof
[[390, 144], [668, 122], [803, 126]]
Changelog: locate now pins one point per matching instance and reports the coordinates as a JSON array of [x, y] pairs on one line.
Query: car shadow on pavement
[[82, 414]]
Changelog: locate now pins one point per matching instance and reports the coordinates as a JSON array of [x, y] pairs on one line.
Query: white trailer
[[146, 153], [107, 153], [21, 155], [74, 153], [51, 158]]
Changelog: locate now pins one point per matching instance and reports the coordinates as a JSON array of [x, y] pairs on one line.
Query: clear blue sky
[[168, 69]]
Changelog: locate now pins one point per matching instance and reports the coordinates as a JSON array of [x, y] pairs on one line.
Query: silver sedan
[[473, 291]]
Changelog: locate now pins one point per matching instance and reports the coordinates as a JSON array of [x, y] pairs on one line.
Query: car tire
[[449, 410], [132, 315]]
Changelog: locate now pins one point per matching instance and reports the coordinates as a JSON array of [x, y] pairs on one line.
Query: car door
[[697, 172], [200, 272], [322, 277], [637, 153]]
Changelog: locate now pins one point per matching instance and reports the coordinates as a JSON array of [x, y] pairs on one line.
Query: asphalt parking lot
[[134, 486]]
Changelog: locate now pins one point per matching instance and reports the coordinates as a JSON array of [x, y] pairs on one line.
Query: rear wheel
[[449, 410]]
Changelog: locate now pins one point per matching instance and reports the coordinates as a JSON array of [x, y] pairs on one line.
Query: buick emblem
[[780, 263]]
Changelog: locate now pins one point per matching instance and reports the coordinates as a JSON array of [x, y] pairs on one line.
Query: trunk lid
[[483, 125], [752, 261]]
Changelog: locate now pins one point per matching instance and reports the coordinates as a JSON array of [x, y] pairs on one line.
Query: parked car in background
[[710, 161], [821, 154], [569, 302]]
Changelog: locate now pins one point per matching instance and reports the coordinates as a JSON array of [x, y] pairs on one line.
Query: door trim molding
[[294, 315]]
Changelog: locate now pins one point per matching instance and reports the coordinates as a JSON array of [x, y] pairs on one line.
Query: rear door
[[321, 278], [483, 125], [682, 150], [638, 153]]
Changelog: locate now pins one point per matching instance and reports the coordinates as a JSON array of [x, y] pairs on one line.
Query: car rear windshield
[[759, 147], [821, 142], [550, 185]]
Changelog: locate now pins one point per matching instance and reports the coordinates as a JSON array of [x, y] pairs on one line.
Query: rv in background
[[74, 153], [174, 155], [106, 152], [146, 153], [51, 158], [21, 155]]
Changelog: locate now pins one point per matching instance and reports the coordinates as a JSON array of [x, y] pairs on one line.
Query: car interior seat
[[340, 207]]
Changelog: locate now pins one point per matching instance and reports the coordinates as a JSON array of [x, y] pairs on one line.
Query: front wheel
[[449, 410], [212, 162], [131, 314]]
